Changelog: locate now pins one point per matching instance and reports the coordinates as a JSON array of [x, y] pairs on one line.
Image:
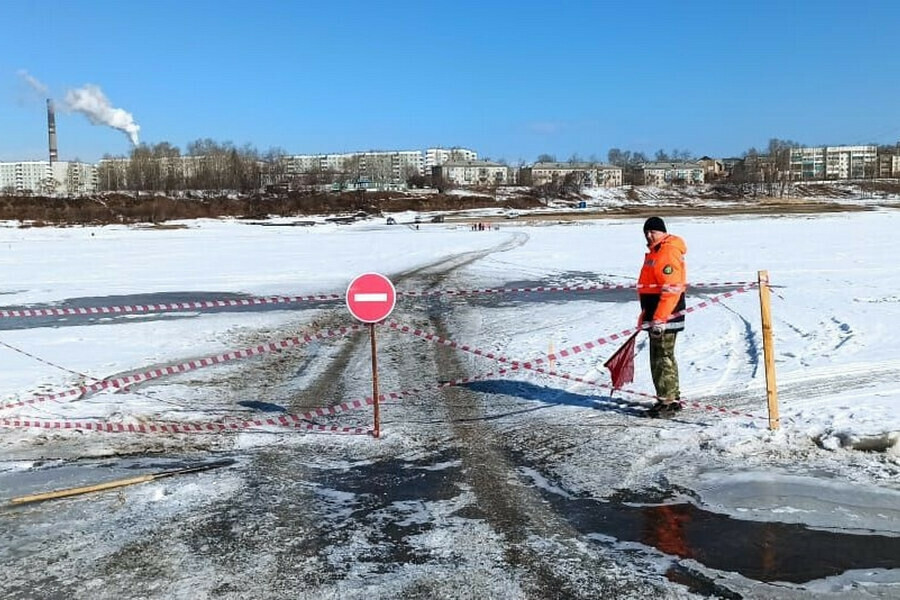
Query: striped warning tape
[[172, 428], [163, 307], [137, 309], [570, 288], [533, 365], [128, 380], [624, 334], [226, 424], [123, 382], [299, 421]]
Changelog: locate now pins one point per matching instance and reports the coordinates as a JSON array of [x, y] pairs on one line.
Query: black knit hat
[[654, 224]]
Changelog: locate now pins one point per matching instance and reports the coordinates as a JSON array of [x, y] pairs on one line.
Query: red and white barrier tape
[[122, 382], [44, 361], [624, 334], [531, 365], [138, 309], [572, 288], [299, 421], [212, 427], [128, 380], [170, 306], [226, 424]]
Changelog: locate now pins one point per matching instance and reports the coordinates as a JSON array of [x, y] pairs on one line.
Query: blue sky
[[511, 80]]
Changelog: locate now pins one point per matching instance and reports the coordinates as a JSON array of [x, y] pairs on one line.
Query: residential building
[[807, 163], [732, 164], [112, 173], [713, 168], [585, 174], [79, 178], [439, 156], [834, 162], [384, 169], [59, 178], [666, 173], [470, 173], [888, 165], [760, 168]]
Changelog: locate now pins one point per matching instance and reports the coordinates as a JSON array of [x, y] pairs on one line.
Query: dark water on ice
[[762, 551]]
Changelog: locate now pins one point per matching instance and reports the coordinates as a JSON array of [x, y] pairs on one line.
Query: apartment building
[[888, 165], [78, 178], [471, 173], [439, 156], [834, 162], [46, 178], [585, 174], [713, 168], [382, 168], [665, 173]]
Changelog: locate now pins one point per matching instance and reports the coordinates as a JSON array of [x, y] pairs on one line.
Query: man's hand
[[656, 330]]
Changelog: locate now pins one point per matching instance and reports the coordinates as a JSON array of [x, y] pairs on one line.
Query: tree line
[[210, 165], [206, 165]]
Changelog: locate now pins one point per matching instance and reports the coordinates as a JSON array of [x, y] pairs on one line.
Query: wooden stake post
[[768, 349], [117, 483]]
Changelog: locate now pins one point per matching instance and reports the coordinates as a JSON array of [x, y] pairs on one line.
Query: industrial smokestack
[[51, 131]]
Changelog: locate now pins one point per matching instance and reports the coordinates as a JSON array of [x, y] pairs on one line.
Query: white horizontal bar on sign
[[382, 297]]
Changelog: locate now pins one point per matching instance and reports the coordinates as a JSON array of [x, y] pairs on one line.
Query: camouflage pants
[[663, 366]]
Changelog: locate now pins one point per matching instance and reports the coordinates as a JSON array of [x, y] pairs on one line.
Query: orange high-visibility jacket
[[662, 283]]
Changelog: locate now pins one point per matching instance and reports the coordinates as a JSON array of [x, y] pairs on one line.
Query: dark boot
[[664, 409]]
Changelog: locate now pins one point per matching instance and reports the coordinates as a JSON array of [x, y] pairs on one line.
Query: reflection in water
[[764, 551], [664, 528]]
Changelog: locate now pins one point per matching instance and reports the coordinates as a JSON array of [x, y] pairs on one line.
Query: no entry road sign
[[371, 297]]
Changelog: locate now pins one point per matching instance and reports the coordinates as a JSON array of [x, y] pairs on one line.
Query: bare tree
[[168, 168], [111, 174], [275, 166], [353, 166], [618, 157], [379, 168], [140, 165]]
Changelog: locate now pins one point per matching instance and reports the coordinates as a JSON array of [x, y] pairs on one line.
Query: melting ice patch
[[818, 503]]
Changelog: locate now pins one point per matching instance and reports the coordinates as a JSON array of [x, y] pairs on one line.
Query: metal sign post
[[376, 416], [371, 298]]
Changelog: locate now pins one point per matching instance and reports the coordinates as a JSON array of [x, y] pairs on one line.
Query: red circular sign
[[371, 297]]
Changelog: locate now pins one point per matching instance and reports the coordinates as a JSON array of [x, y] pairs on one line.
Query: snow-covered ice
[[835, 300]]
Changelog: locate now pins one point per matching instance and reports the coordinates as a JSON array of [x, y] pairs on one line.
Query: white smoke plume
[[90, 101], [36, 85]]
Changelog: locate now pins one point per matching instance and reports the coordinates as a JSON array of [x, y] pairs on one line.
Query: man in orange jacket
[[661, 287]]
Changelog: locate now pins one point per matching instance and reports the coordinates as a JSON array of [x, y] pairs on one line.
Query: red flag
[[621, 363]]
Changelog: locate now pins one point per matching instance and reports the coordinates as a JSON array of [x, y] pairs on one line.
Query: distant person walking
[[661, 287]]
